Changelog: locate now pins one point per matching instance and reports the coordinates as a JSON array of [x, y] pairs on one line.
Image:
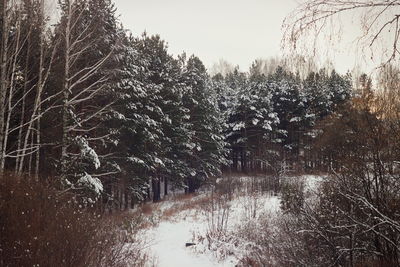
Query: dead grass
[[149, 214], [41, 227], [147, 209], [183, 203]]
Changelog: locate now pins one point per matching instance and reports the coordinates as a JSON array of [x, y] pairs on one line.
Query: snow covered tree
[[288, 106], [208, 151], [153, 135], [323, 95], [30, 59], [89, 39], [236, 82]]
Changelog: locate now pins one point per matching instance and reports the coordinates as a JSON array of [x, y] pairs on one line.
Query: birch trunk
[[37, 110], [3, 74], [66, 89], [22, 119], [40, 89], [11, 93]]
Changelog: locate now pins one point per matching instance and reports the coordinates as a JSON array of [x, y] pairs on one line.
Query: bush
[[292, 195], [40, 226]]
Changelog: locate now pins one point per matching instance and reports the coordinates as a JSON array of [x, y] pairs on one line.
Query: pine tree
[[208, 152], [89, 38]]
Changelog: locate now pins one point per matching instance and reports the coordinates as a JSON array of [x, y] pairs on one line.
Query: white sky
[[238, 31]]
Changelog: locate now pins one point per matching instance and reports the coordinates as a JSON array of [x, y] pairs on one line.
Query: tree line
[[353, 219], [114, 116], [271, 118]]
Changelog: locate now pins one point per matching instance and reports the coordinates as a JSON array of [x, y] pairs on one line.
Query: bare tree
[[223, 67], [34, 83], [389, 95], [3, 68], [378, 21], [83, 80]]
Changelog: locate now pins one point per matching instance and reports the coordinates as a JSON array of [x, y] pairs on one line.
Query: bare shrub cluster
[[41, 227], [353, 218], [234, 199], [217, 211]]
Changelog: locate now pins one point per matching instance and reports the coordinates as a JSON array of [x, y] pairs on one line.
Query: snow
[[136, 160], [238, 126], [312, 182], [159, 161], [168, 237], [169, 244], [88, 152], [92, 183], [295, 119]]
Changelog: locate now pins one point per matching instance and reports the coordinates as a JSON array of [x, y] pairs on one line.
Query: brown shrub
[[147, 209], [185, 202], [39, 226]]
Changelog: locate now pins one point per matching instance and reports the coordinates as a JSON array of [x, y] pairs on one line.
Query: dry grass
[[149, 214], [41, 227], [185, 202], [147, 209]]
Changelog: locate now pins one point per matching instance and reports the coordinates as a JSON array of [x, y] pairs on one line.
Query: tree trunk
[[11, 93], [165, 186], [40, 88], [22, 119], [191, 185], [243, 160], [235, 160], [126, 199], [3, 74], [65, 88], [156, 187], [132, 202]]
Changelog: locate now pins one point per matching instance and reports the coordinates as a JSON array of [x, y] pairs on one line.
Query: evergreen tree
[[208, 152], [88, 37]]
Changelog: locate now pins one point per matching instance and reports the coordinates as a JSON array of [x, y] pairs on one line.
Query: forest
[[97, 124]]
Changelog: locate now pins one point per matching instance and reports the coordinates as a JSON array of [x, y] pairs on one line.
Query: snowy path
[[169, 236], [169, 248]]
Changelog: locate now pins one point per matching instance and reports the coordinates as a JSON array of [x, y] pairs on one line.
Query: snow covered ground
[[189, 222], [169, 239]]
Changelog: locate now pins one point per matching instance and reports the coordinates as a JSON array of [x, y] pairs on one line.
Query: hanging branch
[[376, 18]]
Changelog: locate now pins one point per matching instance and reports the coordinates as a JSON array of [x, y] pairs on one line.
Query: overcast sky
[[238, 31]]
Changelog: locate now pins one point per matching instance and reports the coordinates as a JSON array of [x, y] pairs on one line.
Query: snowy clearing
[[169, 239], [187, 220]]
